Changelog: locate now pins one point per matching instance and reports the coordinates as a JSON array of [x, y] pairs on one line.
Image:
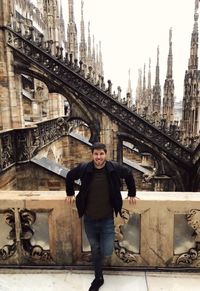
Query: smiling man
[[98, 200]]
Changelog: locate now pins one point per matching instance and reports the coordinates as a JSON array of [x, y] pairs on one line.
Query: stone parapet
[[161, 231]]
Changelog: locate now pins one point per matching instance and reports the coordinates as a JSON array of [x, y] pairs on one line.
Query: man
[[97, 201]]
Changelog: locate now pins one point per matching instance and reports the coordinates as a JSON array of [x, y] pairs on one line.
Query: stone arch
[[78, 109], [165, 166], [89, 132]]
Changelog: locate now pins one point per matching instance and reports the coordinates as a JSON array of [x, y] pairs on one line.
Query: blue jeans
[[100, 234]]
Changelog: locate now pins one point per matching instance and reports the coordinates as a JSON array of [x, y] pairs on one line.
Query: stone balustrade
[[161, 231]]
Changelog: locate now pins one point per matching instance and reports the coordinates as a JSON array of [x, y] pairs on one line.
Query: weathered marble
[[161, 230]]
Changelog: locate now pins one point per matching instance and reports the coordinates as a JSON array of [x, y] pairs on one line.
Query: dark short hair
[[98, 146]]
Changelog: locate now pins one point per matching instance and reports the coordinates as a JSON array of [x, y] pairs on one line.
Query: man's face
[[99, 158]]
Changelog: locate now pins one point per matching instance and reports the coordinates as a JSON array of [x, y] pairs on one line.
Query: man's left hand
[[132, 200]]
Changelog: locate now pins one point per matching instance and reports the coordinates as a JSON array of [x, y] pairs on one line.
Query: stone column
[[53, 105], [115, 142], [19, 99], [108, 136], [10, 98]]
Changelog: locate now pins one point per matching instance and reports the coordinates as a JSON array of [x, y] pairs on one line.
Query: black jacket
[[115, 173]]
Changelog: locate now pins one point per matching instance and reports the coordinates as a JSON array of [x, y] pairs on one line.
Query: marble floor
[[45, 280]]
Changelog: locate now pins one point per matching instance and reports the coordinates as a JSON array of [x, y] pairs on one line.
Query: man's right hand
[[70, 199]]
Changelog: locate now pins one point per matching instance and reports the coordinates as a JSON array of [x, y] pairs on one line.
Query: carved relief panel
[[187, 239], [24, 237]]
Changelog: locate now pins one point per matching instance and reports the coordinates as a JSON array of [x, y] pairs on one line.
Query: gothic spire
[[129, 82], [156, 101], [149, 91], [193, 60], [168, 98], [139, 91], [129, 91], [62, 26], [191, 112], [94, 58], [170, 57], [157, 81], [83, 46], [72, 45], [89, 54], [61, 10], [100, 60], [149, 75], [71, 10], [144, 78], [93, 50]]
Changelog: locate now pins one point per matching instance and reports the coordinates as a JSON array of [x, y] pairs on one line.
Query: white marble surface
[[173, 281], [143, 195], [23, 280]]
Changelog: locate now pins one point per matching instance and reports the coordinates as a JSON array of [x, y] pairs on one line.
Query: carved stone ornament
[[7, 150], [36, 252], [193, 219], [123, 253], [8, 250], [193, 254], [49, 131], [23, 145]]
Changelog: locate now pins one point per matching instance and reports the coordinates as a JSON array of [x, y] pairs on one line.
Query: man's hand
[[132, 200], [70, 199]]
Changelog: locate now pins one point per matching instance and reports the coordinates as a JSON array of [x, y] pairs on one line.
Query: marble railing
[[20, 145], [161, 231]]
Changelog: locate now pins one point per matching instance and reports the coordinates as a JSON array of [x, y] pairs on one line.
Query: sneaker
[[96, 284]]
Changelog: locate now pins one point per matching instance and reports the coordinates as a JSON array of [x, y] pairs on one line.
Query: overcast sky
[[131, 30]]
